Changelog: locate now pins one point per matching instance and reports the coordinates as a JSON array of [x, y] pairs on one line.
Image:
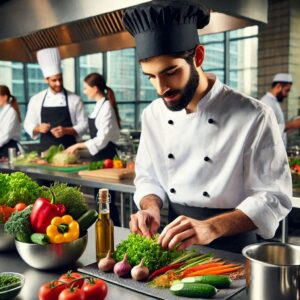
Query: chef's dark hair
[[95, 79], [12, 100]]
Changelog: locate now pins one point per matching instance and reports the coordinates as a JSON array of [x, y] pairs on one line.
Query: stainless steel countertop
[[124, 186], [34, 278]]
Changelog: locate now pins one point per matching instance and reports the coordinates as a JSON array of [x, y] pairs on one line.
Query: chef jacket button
[[205, 194], [173, 191], [170, 155], [210, 121], [171, 122], [206, 158]]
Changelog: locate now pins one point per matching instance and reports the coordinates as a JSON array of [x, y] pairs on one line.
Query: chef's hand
[[145, 222], [58, 131], [72, 149], [184, 232], [42, 128]]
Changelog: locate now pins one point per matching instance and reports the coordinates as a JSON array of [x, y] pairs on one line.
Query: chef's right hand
[[145, 222], [43, 127]]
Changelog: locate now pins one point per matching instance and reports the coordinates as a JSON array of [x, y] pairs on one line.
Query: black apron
[[5, 147], [233, 243], [110, 150], [10, 144], [56, 116]]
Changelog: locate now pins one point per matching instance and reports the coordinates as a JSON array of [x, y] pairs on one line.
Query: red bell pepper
[[43, 211]]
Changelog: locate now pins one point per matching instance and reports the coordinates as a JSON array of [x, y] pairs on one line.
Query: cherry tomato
[[72, 279], [108, 163], [94, 289], [20, 206], [71, 294], [51, 290]]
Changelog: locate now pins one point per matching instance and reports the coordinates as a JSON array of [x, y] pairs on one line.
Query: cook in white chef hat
[[49, 61], [283, 78]]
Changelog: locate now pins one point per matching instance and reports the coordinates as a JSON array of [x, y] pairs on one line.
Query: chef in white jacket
[[216, 154], [55, 114], [281, 86], [10, 121]]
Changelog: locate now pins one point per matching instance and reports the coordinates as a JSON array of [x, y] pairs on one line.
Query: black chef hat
[[165, 26]]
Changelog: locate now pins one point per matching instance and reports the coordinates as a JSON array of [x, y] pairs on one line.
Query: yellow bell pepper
[[63, 230], [118, 164]]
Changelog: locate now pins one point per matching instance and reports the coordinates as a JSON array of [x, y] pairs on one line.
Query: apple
[[108, 163]]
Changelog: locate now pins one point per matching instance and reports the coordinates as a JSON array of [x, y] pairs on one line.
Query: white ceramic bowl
[[52, 256]]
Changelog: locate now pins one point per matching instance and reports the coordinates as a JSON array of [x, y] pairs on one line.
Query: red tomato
[[94, 289], [20, 206], [51, 290], [108, 163], [72, 279], [71, 294]]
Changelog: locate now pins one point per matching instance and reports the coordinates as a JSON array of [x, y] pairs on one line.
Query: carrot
[[164, 270], [201, 267], [226, 271], [214, 270]]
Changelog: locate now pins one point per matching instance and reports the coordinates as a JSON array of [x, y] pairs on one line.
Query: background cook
[[54, 114], [216, 154], [10, 121], [104, 121]]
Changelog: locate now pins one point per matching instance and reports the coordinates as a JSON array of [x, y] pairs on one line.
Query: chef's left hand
[[184, 232], [58, 131]]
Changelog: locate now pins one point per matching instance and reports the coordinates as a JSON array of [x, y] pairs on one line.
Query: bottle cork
[[103, 195]]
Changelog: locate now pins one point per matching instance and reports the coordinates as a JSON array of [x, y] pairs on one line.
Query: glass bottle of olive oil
[[104, 226]]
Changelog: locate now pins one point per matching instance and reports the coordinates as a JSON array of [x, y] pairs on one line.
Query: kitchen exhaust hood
[[80, 27]]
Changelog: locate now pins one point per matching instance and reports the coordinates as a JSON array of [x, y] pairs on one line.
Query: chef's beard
[[187, 92], [279, 97], [56, 89]]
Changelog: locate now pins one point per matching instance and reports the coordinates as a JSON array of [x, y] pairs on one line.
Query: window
[[121, 74], [243, 45]]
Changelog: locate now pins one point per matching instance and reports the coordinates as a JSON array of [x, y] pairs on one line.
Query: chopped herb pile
[[8, 282], [138, 247]]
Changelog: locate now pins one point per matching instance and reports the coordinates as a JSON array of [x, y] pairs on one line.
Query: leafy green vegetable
[[8, 282], [71, 197], [18, 225], [4, 187], [52, 151], [21, 188], [63, 158], [26, 158], [138, 247]]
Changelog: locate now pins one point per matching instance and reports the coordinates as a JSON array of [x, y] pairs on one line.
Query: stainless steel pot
[[272, 271]]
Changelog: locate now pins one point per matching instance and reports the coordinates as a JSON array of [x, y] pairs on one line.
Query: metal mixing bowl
[[52, 256], [6, 241]]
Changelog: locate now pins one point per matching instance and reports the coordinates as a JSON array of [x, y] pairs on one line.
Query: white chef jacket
[[107, 125], [9, 124], [33, 115], [228, 154], [270, 100]]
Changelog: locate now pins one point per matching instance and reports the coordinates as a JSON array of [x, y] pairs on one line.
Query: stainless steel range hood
[[81, 27]]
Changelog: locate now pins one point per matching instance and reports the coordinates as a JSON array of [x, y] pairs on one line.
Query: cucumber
[[193, 290], [40, 238], [218, 281], [86, 220]]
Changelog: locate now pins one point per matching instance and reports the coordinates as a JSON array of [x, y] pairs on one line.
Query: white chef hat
[[49, 61], [283, 77]]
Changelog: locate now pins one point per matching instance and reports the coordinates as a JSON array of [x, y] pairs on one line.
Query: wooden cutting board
[[109, 173]]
